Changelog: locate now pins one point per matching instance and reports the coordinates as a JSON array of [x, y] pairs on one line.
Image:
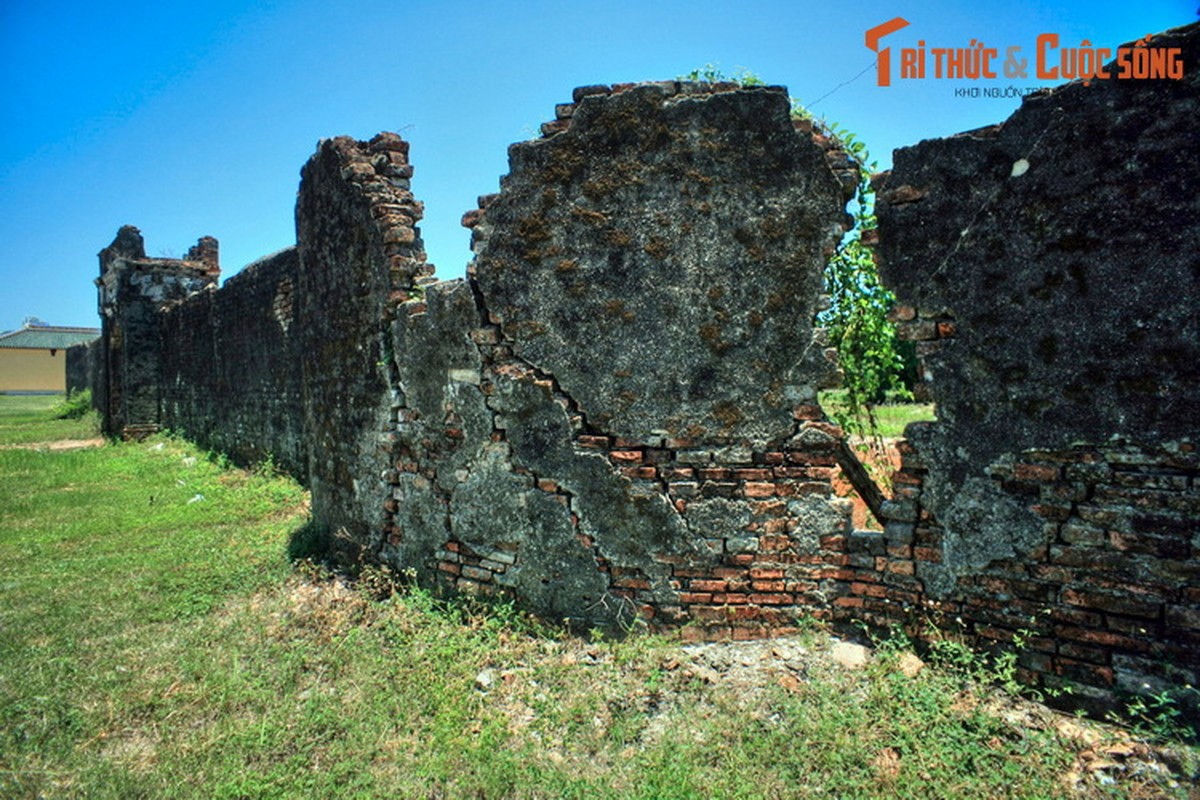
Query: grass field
[[28, 419], [891, 418], [155, 641]]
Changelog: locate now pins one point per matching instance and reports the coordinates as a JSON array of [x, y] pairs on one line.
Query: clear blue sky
[[196, 121]]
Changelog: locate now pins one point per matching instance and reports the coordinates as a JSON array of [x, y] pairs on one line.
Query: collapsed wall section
[[1050, 266], [615, 415]]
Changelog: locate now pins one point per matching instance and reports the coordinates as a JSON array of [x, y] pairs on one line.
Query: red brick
[[709, 613], [631, 583], [1115, 604], [829, 428], [808, 412], [678, 473], [695, 597], [738, 585], [1094, 655], [593, 442], [759, 489], [775, 526], [765, 573], [1084, 673], [702, 585], [833, 541], [1035, 472], [768, 586], [816, 459], [742, 559], [900, 567], [626, 456], [712, 474], [745, 612], [446, 566], [1055, 512], [769, 544], [729, 598], [1104, 638], [772, 599]]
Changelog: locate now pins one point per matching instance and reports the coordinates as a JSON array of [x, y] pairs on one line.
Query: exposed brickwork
[[1052, 303], [614, 416], [617, 504], [133, 290], [361, 257], [230, 366], [929, 331], [1109, 600]]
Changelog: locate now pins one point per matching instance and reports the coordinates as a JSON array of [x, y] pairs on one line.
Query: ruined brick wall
[[1049, 265], [230, 366], [83, 366], [360, 255], [615, 415], [133, 290]]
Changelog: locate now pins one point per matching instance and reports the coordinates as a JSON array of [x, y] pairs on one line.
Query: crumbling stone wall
[[229, 373], [83, 365], [1050, 266], [615, 415], [133, 290], [360, 255]]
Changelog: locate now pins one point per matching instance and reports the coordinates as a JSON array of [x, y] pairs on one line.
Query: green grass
[[27, 418], [155, 641], [891, 417]]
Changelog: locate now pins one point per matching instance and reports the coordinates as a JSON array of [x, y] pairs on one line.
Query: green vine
[[872, 361]]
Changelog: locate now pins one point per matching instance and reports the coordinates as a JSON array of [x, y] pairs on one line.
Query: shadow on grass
[[310, 542]]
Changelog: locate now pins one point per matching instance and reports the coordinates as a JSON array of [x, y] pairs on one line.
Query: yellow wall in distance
[[32, 370]]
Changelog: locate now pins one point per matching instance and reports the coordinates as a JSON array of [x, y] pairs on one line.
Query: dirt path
[[59, 444]]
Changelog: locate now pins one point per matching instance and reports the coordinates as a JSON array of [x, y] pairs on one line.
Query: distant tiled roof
[[47, 337]]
